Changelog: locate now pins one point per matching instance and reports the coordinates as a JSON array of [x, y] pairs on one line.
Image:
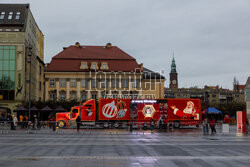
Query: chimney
[[77, 44], [141, 67], [108, 45]]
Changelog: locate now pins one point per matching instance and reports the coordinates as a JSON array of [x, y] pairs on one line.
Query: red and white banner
[[114, 109]]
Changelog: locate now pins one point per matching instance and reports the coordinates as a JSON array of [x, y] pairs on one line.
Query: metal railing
[[48, 126]]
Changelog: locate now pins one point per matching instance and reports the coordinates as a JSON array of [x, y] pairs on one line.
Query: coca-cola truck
[[117, 112]]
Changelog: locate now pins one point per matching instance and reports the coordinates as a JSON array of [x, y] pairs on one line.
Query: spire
[[173, 66]]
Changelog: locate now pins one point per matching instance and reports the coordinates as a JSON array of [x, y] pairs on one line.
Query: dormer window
[[94, 66], [2, 15], [84, 65], [18, 15], [104, 66], [10, 15]]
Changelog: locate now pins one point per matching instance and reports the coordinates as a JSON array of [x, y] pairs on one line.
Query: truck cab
[[86, 112]]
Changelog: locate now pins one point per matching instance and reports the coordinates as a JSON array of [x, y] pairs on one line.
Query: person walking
[[21, 121], [78, 122], [212, 126], [15, 121], [205, 126], [160, 123], [152, 124]]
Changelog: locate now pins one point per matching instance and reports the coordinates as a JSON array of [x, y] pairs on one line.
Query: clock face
[[174, 82]]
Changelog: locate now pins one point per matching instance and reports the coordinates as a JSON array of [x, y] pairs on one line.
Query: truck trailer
[[118, 112]]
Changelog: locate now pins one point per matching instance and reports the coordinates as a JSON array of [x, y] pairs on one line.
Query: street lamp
[[206, 102], [29, 61]]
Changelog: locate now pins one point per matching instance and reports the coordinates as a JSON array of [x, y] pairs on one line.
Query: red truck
[[116, 112]]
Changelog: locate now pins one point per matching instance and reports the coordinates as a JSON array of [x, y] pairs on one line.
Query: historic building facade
[[21, 47], [214, 94], [91, 72]]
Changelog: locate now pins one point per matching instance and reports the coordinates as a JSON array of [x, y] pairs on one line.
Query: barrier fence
[[47, 126]]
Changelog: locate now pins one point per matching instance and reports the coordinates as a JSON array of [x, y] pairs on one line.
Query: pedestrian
[[160, 123], [15, 121], [212, 126], [205, 126], [78, 122], [35, 122], [21, 121], [10, 121], [152, 124]]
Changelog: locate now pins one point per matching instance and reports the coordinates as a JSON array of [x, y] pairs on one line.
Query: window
[[83, 65], [10, 15], [135, 84], [62, 95], [93, 83], [7, 72], [72, 83], [83, 83], [114, 83], [105, 66], [125, 83], [18, 15], [51, 82], [2, 15], [103, 83], [52, 95], [94, 96], [94, 66], [73, 95], [62, 83]]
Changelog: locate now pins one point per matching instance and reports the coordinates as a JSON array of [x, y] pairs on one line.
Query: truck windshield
[[75, 110]]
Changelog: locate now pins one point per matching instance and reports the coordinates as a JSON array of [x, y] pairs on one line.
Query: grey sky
[[210, 38]]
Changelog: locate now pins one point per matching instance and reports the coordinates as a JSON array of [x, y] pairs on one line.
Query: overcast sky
[[210, 38]]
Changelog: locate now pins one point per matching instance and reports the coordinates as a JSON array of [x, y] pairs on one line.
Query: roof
[[69, 60], [46, 108], [22, 8], [149, 74]]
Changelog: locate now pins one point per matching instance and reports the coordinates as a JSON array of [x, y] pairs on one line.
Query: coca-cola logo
[[109, 110]]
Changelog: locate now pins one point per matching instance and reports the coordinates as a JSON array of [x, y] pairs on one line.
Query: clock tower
[[173, 76]]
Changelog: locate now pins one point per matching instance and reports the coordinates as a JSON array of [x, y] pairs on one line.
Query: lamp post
[[206, 102], [29, 61]]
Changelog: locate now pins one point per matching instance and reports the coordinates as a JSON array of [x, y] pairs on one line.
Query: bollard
[[131, 127]]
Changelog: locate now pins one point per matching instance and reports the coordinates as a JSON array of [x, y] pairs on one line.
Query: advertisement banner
[[114, 109], [144, 110], [184, 109], [88, 111]]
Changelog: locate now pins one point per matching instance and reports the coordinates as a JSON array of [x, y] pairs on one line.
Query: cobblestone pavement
[[108, 148]]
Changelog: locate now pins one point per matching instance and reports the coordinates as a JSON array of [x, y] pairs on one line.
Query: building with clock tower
[[173, 76]]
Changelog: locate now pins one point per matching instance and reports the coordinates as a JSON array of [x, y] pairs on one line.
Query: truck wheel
[[61, 123], [105, 125], [177, 124], [116, 125]]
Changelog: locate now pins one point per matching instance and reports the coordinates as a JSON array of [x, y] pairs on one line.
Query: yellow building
[[84, 72]]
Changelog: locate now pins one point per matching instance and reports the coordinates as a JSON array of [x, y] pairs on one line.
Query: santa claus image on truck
[[189, 112]]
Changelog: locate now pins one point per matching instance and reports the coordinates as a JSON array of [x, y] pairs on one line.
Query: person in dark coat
[[212, 126], [152, 125], [78, 122]]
